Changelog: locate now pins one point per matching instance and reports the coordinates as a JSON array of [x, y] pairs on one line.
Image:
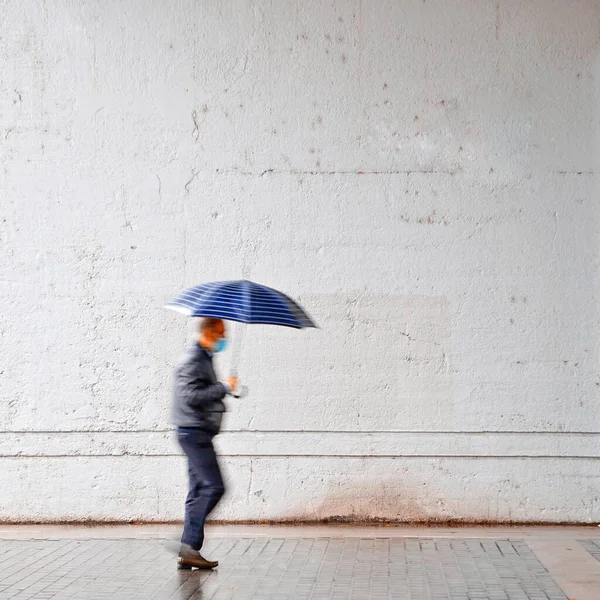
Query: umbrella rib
[[248, 300]]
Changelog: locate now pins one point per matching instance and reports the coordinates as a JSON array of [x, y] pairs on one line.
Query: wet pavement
[[69, 563]]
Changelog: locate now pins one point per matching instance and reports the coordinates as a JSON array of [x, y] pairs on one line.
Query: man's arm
[[193, 387]]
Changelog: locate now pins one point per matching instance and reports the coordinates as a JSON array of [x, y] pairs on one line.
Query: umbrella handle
[[240, 391]]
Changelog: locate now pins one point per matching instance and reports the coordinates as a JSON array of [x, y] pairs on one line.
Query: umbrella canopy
[[242, 301]]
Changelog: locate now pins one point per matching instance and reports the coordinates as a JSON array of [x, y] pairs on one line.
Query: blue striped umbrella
[[242, 301]]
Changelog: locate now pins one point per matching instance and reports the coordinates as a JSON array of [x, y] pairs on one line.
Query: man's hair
[[208, 324]]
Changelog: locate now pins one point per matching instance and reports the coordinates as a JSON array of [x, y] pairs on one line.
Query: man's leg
[[206, 486], [194, 488]]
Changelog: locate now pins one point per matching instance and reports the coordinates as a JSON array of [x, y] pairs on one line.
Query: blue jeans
[[206, 483]]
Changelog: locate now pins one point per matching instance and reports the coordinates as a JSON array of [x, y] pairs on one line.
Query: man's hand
[[232, 382]]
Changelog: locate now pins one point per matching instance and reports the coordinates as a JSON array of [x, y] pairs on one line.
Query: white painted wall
[[423, 175]]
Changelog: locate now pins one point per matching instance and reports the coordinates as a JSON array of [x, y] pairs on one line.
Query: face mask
[[220, 345]]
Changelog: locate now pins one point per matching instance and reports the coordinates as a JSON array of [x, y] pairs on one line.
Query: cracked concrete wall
[[423, 175]]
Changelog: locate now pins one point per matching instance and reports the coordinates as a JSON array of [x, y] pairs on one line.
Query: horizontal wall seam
[[309, 431], [372, 456]]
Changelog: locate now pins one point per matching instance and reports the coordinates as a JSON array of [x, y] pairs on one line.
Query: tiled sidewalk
[[271, 566]]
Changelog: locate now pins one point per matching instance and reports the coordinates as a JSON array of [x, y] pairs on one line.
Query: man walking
[[197, 412]]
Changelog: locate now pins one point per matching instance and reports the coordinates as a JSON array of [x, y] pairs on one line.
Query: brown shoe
[[189, 559]]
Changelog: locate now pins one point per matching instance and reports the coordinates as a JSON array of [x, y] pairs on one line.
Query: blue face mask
[[220, 345]]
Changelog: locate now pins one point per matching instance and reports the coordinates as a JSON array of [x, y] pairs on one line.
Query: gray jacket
[[197, 395]]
